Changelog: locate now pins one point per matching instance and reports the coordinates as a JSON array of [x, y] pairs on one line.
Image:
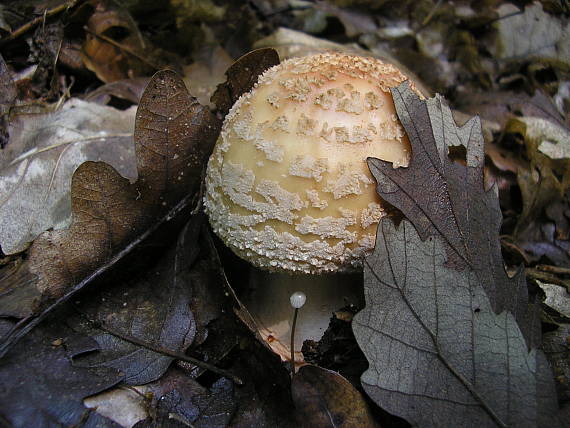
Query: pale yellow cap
[[288, 187]]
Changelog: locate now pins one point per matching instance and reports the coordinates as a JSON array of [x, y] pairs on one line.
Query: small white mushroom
[[298, 299]]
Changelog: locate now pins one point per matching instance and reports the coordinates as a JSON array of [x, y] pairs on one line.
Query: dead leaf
[[129, 90], [548, 137], [174, 400], [41, 386], [174, 397], [174, 135], [7, 97], [46, 44], [542, 228], [532, 35], [324, 398], [125, 406], [204, 75], [355, 23], [539, 187], [557, 298], [265, 398], [439, 355], [154, 307], [557, 349], [44, 151], [451, 200], [446, 331], [179, 398], [501, 106], [242, 75], [114, 48], [197, 11]]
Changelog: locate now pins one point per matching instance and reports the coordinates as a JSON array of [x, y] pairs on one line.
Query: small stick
[[48, 13], [554, 269]]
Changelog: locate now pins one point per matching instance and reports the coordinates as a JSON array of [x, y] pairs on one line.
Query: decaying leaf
[[542, 228], [123, 405], [129, 90], [439, 355], [557, 297], [44, 152], [355, 23], [175, 400], [441, 197], [447, 333], [546, 136], [173, 136], [154, 307], [324, 398], [42, 387], [203, 76], [532, 35], [114, 48], [242, 75], [197, 11], [557, 348], [7, 96], [501, 106]]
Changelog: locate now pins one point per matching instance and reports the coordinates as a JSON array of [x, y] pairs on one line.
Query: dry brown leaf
[[7, 97], [324, 398], [501, 106], [114, 48], [242, 75], [129, 90], [204, 75]]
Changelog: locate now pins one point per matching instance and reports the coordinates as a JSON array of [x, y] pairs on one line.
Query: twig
[[430, 14], [506, 243], [547, 277], [123, 48], [554, 269], [48, 13]]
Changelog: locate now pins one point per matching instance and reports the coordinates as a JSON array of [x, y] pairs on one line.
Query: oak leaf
[[450, 338]]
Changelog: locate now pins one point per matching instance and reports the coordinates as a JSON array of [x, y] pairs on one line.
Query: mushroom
[[288, 188]]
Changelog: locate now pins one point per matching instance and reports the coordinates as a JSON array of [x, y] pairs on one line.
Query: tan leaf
[[242, 75], [324, 398]]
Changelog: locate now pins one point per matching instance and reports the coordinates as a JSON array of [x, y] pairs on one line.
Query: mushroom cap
[[287, 185]]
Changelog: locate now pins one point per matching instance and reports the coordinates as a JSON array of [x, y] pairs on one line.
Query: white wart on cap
[[288, 187]]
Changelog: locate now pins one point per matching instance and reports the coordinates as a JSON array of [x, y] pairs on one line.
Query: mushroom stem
[[293, 341], [267, 301]]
